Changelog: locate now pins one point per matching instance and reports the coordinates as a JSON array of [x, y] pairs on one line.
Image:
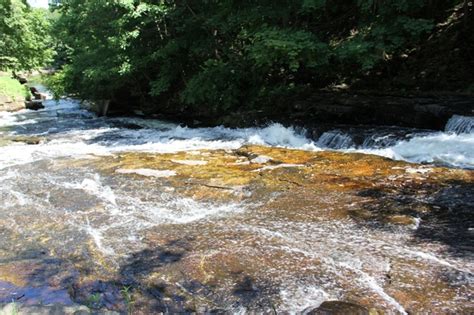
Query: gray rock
[[56, 309], [339, 308], [34, 105]]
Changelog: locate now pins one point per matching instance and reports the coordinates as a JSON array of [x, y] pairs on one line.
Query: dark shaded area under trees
[[244, 62]]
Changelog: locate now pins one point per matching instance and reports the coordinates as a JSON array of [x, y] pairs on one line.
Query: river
[[140, 215]]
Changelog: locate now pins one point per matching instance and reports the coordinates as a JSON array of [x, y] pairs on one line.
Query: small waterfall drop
[[335, 139], [460, 124], [205, 212], [380, 141]]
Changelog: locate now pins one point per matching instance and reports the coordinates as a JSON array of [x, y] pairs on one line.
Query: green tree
[[213, 56], [25, 41]]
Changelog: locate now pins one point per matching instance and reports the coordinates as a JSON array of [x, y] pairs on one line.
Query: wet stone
[[226, 235], [26, 139], [45, 281], [340, 308], [59, 309], [402, 220]]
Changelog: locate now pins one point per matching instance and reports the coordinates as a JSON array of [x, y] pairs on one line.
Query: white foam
[[418, 170], [18, 153], [98, 238], [147, 172], [261, 159], [455, 150], [69, 134], [174, 146], [95, 187], [22, 198], [121, 228], [278, 135], [299, 299], [450, 149], [190, 162], [370, 282], [14, 119], [432, 258], [186, 210], [417, 223], [460, 124], [273, 167]]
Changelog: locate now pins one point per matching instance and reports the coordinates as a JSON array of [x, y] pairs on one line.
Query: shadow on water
[[142, 283], [141, 272], [446, 211], [132, 287], [33, 277]]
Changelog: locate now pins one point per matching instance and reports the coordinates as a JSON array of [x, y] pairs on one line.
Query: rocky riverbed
[[137, 216], [256, 228]]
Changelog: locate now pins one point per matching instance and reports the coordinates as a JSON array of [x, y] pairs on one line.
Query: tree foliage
[[211, 56], [25, 40]]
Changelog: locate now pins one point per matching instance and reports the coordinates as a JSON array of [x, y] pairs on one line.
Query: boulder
[[25, 139], [10, 105], [37, 94], [18, 308], [339, 308], [33, 90], [34, 104]]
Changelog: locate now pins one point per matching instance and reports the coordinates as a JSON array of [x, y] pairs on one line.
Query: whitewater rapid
[[58, 196], [66, 130]]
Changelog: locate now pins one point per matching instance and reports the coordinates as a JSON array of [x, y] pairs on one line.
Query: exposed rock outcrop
[[413, 111], [34, 104], [261, 228], [37, 94], [8, 104]]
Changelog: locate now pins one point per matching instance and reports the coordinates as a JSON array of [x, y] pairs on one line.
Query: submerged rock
[[22, 309], [340, 308], [34, 104], [9, 104], [210, 230], [25, 139], [37, 94]]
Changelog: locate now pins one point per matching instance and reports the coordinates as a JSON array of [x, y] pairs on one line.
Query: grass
[[128, 298], [13, 89], [93, 300]]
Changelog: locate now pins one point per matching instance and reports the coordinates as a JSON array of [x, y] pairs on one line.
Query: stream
[[141, 216]]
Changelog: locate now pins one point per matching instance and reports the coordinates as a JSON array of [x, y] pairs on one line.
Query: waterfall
[[381, 141], [335, 139], [460, 124]]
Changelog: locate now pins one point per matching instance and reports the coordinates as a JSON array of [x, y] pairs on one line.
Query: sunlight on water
[[306, 258], [71, 132]]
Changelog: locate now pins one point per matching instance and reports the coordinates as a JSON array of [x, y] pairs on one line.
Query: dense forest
[[219, 56], [206, 58], [25, 36], [256, 157]]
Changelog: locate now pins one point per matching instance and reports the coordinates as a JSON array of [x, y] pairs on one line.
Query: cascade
[[335, 139], [460, 124]]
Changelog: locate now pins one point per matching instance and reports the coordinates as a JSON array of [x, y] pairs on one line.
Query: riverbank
[[320, 110], [416, 110], [19, 93], [12, 94]]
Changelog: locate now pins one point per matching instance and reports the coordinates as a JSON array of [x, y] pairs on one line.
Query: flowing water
[[231, 219]]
